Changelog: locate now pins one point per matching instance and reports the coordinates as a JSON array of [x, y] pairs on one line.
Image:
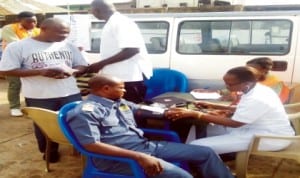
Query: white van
[[205, 45]]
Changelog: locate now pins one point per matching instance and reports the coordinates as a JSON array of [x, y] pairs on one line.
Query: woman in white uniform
[[231, 128]]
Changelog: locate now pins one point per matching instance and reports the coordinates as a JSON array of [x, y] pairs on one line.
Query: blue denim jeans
[[204, 159], [52, 104]]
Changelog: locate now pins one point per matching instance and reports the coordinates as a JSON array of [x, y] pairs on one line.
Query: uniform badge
[[124, 107], [88, 107]]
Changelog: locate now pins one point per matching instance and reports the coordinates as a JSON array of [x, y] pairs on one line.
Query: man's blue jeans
[[206, 161], [52, 104]]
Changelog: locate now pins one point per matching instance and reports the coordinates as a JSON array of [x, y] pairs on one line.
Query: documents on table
[[150, 112], [157, 110], [205, 95]]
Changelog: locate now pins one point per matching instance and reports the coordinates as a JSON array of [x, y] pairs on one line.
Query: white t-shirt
[[263, 112], [118, 33], [33, 54]]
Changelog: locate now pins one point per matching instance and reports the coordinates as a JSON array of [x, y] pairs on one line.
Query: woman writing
[[259, 111]]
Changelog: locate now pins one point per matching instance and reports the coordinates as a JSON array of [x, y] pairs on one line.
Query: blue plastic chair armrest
[[135, 167], [113, 158]]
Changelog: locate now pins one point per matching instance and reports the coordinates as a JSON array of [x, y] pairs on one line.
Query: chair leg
[[74, 152], [277, 167], [47, 154], [241, 164], [83, 163]]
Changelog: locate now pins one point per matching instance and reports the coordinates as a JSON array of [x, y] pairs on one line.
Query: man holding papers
[[45, 64]]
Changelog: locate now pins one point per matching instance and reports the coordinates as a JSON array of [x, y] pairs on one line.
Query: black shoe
[[54, 157]]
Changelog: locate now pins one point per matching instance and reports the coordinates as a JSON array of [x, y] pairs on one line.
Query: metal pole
[[68, 7]]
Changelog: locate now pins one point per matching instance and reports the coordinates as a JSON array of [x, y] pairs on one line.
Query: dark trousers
[[52, 104], [182, 127], [135, 91]]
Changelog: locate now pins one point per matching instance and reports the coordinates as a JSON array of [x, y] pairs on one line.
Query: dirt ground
[[20, 158]]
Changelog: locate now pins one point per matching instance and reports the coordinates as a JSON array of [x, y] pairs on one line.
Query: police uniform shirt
[[102, 120]]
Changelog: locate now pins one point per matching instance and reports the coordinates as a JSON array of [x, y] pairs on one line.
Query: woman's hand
[[220, 112], [203, 104], [178, 113]]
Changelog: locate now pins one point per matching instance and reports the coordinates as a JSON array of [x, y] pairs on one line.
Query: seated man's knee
[[171, 170]]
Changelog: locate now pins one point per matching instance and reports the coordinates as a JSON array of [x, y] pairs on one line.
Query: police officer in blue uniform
[[104, 123]]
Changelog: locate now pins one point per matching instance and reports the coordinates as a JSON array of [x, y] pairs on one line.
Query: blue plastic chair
[[90, 169], [165, 80]]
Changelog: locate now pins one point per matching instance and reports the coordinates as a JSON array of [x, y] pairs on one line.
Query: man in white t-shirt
[[123, 52], [45, 64], [24, 28]]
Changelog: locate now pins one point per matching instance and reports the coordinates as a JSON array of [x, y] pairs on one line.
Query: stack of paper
[[205, 95]]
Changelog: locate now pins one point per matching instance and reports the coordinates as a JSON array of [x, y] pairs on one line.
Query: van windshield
[[155, 35]]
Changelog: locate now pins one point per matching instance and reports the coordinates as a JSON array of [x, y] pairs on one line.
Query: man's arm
[[80, 70], [125, 54], [150, 164], [56, 73]]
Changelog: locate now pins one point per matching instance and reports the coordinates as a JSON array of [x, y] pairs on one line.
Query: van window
[[96, 30], [155, 35], [235, 37]]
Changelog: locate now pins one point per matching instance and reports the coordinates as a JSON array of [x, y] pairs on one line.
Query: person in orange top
[[263, 65], [25, 27]]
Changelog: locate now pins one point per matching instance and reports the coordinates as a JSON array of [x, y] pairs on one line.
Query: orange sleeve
[[284, 93]]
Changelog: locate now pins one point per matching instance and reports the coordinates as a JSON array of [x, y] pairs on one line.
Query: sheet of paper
[[67, 69], [205, 95], [153, 109]]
